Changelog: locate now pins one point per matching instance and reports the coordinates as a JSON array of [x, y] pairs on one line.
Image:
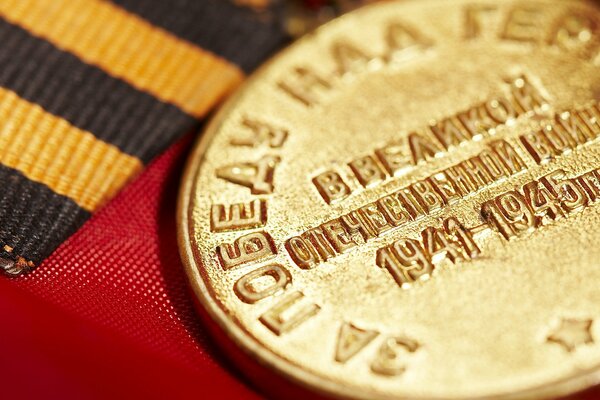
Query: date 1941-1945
[[512, 213]]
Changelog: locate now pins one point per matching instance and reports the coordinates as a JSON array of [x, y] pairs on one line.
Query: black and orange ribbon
[[92, 90]]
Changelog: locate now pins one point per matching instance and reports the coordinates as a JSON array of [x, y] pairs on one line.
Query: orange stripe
[[129, 48], [48, 150]]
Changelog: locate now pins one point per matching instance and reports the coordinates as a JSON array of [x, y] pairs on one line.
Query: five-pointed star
[[572, 333]]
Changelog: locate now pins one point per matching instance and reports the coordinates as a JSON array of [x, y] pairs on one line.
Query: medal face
[[406, 203]]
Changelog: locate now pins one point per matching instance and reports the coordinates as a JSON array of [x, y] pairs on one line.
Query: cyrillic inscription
[[262, 282], [497, 161], [257, 176], [569, 130], [308, 87], [288, 313], [401, 38], [389, 360], [573, 31], [351, 340], [331, 186], [367, 170], [348, 57], [480, 120], [540, 202], [262, 133], [391, 354], [239, 216], [476, 18], [305, 86], [440, 137], [252, 247], [524, 23]]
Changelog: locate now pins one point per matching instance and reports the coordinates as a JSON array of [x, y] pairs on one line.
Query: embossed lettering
[[352, 340], [538, 146], [376, 219], [248, 248], [302, 252], [492, 164], [348, 57], [500, 110], [401, 37], [406, 261], [331, 186], [464, 236], [262, 133], [409, 260], [476, 172], [320, 243], [305, 86], [240, 216], [249, 289], [421, 148], [355, 223], [511, 160], [256, 176], [367, 170], [523, 24], [445, 187], [427, 196], [572, 31], [338, 236], [590, 182], [475, 121], [461, 180], [526, 97], [416, 201], [288, 313], [449, 133], [393, 210], [393, 158], [571, 195], [389, 361], [475, 19], [570, 125], [541, 201], [436, 242]]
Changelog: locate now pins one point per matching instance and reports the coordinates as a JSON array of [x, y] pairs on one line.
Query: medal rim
[[239, 341]]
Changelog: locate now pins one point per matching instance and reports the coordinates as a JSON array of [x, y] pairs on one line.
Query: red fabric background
[[109, 313]]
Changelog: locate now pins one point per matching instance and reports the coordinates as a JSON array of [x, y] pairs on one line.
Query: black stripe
[[33, 219], [87, 97], [238, 34]]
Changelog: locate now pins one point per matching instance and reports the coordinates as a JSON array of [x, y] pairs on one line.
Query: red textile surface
[[315, 4], [109, 313]]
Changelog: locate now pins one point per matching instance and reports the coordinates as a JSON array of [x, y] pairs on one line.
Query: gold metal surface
[[406, 203], [301, 19]]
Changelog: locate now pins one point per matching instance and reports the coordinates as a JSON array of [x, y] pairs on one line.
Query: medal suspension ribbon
[[92, 90]]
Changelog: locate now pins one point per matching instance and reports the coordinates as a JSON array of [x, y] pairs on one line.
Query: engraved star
[[572, 333]]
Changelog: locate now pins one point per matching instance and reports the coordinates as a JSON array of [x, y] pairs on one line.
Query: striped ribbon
[[92, 90]]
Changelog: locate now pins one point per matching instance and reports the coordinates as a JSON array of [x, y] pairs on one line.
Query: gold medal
[[405, 204]]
